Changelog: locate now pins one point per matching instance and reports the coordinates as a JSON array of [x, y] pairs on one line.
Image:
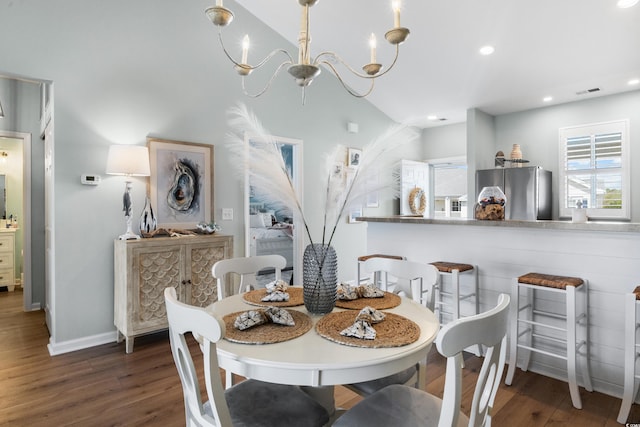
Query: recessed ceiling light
[[633, 82], [432, 117], [547, 99], [487, 50], [623, 4]]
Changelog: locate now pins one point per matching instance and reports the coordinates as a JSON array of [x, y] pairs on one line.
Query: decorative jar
[[319, 278], [491, 204]]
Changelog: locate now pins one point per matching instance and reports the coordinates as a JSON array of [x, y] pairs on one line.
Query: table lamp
[[128, 160]]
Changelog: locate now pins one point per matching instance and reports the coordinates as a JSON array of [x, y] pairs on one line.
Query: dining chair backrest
[[185, 319], [489, 329], [414, 279], [246, 268]]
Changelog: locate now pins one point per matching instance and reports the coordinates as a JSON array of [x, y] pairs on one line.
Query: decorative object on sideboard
[[516, 155], [491, 204], [207, 227], [128, 160], [261, 159], [499, 160], [148, 221], [307, 68]]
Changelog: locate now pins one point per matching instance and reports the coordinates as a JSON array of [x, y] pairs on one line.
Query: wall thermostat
[[87, 179]]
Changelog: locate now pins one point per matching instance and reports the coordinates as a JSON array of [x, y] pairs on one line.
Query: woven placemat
[[393, 331], [255, 298], [389, 300], [267, 333]]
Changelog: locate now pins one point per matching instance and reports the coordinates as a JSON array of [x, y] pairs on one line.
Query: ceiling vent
[[583, 92]]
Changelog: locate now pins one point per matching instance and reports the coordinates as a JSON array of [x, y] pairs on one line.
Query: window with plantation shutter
[[594, 170]]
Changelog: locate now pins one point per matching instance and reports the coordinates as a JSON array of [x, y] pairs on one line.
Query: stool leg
[[479, 350], [530, 297], [586, 361], [571, 347], [513, 332], [477, 288], [438, 298], [455, 284], [630, 384]]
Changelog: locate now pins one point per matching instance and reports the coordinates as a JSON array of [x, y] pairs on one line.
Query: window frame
[[592, 130]]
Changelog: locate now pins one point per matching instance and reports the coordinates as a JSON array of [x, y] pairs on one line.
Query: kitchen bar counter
[[609, 226], [607, 254]]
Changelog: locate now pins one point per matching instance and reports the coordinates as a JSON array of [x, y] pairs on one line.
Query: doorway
[[27, 105], [272, 229], [15, 215]]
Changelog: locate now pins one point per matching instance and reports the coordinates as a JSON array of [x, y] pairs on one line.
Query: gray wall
[[124, 70], [444, 141]]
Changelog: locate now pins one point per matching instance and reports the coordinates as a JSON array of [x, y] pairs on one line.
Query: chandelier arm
[[261, 63], [268, 83], [364, 76], [347, 88]]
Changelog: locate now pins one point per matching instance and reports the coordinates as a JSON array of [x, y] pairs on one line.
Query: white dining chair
[[414, 280], [402, 406], [249, 403], [246, 268]]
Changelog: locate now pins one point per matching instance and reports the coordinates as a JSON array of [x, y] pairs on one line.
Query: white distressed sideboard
[[144, 268]]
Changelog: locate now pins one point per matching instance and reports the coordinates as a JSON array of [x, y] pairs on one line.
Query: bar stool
[[631, 351], [454, 269], [531, 317], [377, 279]]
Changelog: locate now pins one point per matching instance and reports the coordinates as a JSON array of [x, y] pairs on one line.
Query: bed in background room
[[269, 234]]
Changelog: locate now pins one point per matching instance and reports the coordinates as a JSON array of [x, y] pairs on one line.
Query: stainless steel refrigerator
[[528, 190]]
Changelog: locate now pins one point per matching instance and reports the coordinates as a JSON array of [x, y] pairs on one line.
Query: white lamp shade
[[130, 160]]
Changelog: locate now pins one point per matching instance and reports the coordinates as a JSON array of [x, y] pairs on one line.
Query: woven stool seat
[[550, 281], [448, 267], [366, 257]]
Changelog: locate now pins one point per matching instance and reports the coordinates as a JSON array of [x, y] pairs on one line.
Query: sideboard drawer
[[6, 260], [6, 243], [6, 277]]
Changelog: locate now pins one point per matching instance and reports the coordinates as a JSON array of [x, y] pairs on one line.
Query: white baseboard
[[81, 343]]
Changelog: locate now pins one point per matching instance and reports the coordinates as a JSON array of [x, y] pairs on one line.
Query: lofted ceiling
[[556, 48]]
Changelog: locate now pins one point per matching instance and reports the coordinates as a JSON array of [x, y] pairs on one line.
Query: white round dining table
[[311, 360]]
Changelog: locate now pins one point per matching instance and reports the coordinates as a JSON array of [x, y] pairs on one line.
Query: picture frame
[[355, 213], [353, 157], [181, 182]]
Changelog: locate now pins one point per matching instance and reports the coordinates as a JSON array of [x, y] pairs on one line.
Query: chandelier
[[306, 68]]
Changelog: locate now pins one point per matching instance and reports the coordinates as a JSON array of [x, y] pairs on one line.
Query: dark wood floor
[[103, 386]]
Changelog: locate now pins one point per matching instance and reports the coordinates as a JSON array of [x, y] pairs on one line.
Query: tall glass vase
[[319, 278]]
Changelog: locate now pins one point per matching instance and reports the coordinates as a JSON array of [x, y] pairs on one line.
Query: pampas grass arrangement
[[344, 189], [261, 159]]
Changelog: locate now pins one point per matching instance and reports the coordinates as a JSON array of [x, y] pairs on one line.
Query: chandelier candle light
[[306, 68]]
